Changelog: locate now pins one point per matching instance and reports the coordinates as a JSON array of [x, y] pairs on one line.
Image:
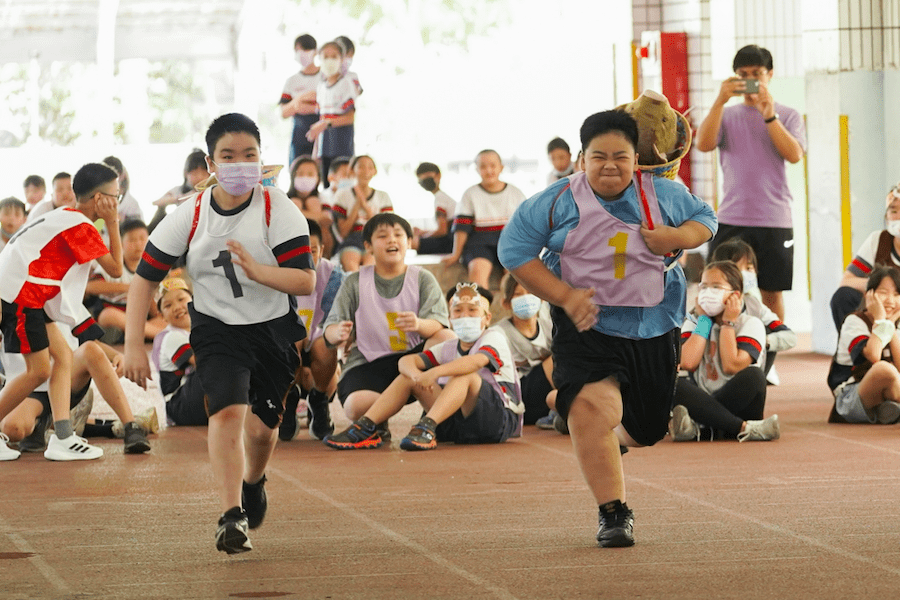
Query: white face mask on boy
[[467, 329]]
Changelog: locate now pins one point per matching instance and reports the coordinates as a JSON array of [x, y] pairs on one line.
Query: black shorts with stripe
[[24, 329]]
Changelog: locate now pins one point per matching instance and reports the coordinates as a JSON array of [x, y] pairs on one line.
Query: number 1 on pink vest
[[620, 243]]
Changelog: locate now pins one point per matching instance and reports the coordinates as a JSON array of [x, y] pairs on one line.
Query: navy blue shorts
[[490, 423], [476, 249], [646, 371]]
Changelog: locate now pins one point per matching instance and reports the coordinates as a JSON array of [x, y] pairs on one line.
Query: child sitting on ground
[[438, 241], [318, 362], [12, 217], [174, 359], [778, 336], [56, 250], [864, 373], [529, 332], [483, 212], [92, 361], [724, 349], [479, 402], [391, 308], [112, 292]]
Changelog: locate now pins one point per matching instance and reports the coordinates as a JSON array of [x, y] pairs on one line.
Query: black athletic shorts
[[44, 399], [646, 370], [490, 423], [476, 249], [24, 329], [242, 364], [374, 376], [535, 388], [774, 248]]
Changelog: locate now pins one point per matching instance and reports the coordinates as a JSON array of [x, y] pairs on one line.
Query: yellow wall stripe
[[846, 222]]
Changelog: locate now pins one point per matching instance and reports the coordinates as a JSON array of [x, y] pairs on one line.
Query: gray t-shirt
[[431, 305]]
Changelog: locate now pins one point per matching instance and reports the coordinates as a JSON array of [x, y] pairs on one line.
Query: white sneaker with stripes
[[7, 453], [71, 448]]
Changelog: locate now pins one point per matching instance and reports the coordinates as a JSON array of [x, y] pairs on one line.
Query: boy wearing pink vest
[[389, 309], [468, 386], [618, 300]]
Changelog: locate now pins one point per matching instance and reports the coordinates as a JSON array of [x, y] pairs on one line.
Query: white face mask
[[712, 301], [331, 66], [526, 306], [304, 57], [467, 329], [343, 184], [893, 228], [305, 184], [238, 178], [750, 281]]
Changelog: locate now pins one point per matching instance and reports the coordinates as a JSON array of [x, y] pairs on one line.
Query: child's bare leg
[[480, 271], [461, 392], [593, 417], [19, 423], [880, 383], [60, 384], [225, 442], [350, 260], [391, 401], [37, 371], [259, 443], [547, 366], [324, 365], [90, 362], [111, 317], [358, 403]]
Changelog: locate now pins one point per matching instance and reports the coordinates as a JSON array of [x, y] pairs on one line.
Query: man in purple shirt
[[754, 139]]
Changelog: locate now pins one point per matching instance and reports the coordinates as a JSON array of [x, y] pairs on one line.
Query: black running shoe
[[320, 425], [253, 497], [361, 435], [421, 436], [231, 536], [135, 439], [35, 442], [616, 526], [289, 426]]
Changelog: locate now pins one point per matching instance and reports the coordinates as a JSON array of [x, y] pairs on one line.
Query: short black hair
[[752, 56], [483, 291], [90, 177], [12, 202], [387, 218], [734, 250], [61, 175], [558, 143], [302, 160], [115, 163], [35, 180], [488, 151], [427, 167], [230, 123], [332, 44], [337, 163], [878, 275], [730, 272], [314, 229], [131, 225], [607, 121], [195, 160], [355, 160], [305, 41], [346, 44]]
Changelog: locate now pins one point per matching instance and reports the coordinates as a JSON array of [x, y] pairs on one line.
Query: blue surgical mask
[[467, 329], [526, 306]]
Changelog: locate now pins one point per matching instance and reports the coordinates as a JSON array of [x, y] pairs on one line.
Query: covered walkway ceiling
[[68, 30]]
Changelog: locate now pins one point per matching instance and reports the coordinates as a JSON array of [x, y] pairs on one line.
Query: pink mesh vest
[[376, 331], [310, 307], [604, 253]]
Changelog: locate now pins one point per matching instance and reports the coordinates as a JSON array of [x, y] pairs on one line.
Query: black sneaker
[[289, 426], [361, 435], [231, 536], [135, 439], [320, 425], [616, 525], [253, 497], [35, 442], [421, 436]]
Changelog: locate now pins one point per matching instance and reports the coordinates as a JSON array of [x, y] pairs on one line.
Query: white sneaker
[[71, 448], [7, 453], [682, 427], [887, 412], [761, 431]]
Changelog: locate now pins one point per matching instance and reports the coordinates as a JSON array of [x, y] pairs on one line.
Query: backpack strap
[[196, 219], [644, 203]]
